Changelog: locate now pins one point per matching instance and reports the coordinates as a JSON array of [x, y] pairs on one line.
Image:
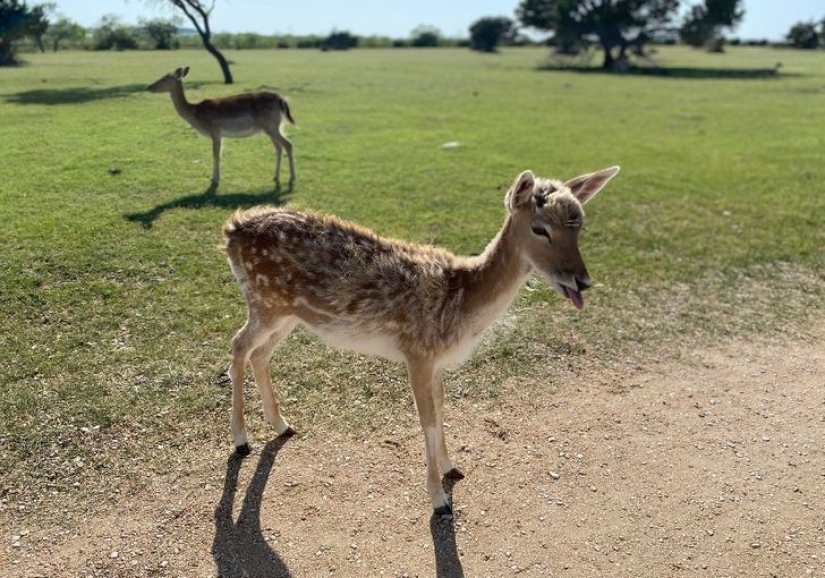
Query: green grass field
[[117, 306]]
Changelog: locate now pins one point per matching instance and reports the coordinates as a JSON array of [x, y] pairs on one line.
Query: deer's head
[[548, 217], [167, 82]]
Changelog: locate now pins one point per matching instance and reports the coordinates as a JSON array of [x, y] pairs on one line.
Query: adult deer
[[409, 303], [239, 116]]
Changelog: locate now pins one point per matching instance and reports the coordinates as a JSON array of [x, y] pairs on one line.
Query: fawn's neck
[[495, 277], [182, 106]]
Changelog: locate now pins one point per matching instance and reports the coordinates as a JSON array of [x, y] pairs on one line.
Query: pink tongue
[[574, 296]]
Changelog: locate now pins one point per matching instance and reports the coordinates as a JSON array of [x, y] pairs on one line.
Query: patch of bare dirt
[[710, 466]]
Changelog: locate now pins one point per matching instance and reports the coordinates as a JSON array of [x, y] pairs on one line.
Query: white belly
[[385, 346]]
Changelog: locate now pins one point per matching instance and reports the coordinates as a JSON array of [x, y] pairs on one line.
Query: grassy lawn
[[117, 306]]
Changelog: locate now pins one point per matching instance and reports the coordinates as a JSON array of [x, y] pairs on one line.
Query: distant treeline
[[140, 38]]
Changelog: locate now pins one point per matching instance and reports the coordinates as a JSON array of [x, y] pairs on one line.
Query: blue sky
[[769, 19]]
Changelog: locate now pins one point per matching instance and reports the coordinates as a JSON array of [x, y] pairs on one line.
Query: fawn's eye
[[541, 232]]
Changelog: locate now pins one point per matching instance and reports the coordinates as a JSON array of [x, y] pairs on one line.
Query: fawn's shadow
[[239, 548], [447, 564], [210, 198]]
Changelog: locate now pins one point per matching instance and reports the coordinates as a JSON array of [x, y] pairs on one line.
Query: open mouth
[[574, 296]]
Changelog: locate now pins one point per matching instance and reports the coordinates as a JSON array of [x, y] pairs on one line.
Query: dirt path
[[713, 466]]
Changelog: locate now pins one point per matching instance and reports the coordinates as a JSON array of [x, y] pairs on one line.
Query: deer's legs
[[423, 379], [255, 342], [278, 153], [216, 159], [260, 359], [281, 142], [444, 461]]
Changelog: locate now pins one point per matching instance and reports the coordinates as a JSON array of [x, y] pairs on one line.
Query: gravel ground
[[710, 466]]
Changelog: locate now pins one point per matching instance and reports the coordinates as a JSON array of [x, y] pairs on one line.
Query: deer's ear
[[184, 71], [585, 187], [521, 193]]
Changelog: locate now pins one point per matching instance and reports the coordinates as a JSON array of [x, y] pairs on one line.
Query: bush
[[120, 38], [339, 41], [425, 37], [803, 35], [487, 33]]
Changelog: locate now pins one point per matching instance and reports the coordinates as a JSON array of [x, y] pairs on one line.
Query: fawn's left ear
[[521, 193], [585, 187]]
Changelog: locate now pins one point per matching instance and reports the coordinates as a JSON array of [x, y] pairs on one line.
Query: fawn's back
[[353, 288]]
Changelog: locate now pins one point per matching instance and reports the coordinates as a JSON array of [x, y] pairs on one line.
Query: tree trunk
[[194, 9], [6, 53], [227, 74], [607, 64]]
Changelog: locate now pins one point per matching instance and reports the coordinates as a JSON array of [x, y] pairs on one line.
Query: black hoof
[[454, 474], [444, 511], [243, 450], [288, 432]]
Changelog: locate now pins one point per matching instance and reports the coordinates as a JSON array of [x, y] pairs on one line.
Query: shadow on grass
[[447, 564], [76, 95], [676, 72], [240, 548], [210, 198]]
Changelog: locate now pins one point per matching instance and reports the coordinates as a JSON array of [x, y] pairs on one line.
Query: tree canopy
[[616, 25], [162, 32], [64, 29], [425, 36], [487, 33], [704, 22], [804, 35], [17, 21]]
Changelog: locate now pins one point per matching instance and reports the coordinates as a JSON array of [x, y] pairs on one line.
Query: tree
[[111, 34], [803, 35], [162, 32], [64, 29], [425, 36], [704, 22], [198, 13], [487, 33], [16, 22], [339, 41], [616, 25], [40, 23]]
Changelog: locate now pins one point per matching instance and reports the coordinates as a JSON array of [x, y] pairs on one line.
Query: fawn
[[415, 304]]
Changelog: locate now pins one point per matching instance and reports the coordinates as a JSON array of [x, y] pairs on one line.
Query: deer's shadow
[[447, 564], [240, 548], [211, 198]]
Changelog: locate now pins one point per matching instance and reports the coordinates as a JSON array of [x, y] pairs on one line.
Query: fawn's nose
[[583, 283]]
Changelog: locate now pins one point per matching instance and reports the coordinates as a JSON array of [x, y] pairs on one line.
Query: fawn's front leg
[[216, 159], [425, 380]]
